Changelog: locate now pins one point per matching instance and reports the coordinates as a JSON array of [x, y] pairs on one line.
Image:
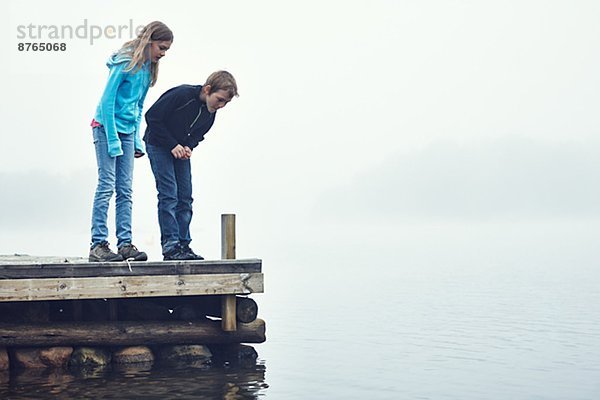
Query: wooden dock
[[29, 292], [56, 305]]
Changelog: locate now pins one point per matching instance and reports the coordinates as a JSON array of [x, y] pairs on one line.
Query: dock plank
[[33, 270], [105, 287]]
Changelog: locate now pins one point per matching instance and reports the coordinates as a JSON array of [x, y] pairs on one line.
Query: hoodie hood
[[117, 58]]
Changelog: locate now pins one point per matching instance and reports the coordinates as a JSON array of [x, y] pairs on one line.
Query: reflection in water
[[163, 381]]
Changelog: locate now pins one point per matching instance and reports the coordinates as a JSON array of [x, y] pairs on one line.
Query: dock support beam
[[126, 333], [228, 302]]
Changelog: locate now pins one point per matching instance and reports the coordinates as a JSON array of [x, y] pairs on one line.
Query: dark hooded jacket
[[178, 117]]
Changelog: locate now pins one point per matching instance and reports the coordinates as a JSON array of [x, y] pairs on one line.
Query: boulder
[[234, 354], [184, 354], [27, 358], [56, 357], [133, 355], [90, 357]]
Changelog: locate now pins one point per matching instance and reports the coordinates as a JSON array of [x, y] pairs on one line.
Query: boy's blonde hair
[[139, 48], [222, 80]]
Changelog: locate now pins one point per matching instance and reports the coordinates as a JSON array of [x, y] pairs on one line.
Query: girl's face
[[158, 50]]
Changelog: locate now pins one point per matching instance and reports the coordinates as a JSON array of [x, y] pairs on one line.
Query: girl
[[132, 70]]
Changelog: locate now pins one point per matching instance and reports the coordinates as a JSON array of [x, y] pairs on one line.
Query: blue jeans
[[174, 184], [115, 174]]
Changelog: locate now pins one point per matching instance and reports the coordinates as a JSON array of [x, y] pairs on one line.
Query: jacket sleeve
[[107, 103], [139, 146], [195, 139], [157, 115]]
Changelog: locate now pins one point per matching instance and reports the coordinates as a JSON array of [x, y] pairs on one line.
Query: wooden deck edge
[[54, 270], [110, 287]]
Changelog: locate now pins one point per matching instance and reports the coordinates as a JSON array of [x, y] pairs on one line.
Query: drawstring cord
[[128, 261]]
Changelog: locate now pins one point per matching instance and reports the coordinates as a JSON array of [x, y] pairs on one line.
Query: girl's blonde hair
[[139, 48]]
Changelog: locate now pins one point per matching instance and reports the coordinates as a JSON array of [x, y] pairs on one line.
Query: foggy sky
[[349, 112]]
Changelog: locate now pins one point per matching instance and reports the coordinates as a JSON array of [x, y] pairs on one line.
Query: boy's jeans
[[174, 184], [115, 174]]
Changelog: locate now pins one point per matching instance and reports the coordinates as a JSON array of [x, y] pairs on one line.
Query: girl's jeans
[[115, 174], [174, 184]]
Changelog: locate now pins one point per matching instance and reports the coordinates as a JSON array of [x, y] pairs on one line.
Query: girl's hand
[[138, 154]]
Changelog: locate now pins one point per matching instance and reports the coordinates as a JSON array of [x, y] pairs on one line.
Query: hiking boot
[[102, 253], [130, 252], [192, 256]]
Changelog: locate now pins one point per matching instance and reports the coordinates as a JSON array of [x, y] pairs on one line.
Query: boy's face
[[216, 100], [158, 50]]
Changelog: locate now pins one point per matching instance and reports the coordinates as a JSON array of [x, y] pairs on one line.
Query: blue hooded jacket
[[120, 108]]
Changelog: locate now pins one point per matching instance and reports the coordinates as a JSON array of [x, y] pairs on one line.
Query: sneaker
[[176, 254], [102, 253], [182, 252], [129, 251], [193, 256]]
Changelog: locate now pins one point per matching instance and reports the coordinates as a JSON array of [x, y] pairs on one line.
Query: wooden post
[[228, 236], [228, 321]]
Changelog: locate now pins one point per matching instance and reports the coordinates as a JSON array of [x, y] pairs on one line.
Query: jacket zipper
[[195, 119]]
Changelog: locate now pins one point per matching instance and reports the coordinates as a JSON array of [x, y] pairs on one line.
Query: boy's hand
[[178, 152], [188, 153]]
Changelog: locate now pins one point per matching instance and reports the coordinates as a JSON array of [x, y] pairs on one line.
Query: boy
[[176, 123]]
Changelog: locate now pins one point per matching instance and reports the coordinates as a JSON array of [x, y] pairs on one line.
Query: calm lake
[[453, 321]]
